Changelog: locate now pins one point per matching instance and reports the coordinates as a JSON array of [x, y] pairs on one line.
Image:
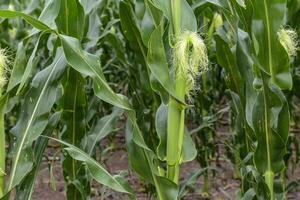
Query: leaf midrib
[[271, 71], [30, 123]]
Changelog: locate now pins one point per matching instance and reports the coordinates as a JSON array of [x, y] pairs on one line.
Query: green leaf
[[130, 28], [158, 64], [249, 195], [3, 102], [89, 5], [245, 63], [34, 116], [26, 187], [189, 151], [188, 19], [219, 3], [89, 65], [161, 129], [244, 11], [71, 19], [271, 124], [18, 67], [96, 170], [141, 161], [31, 65], [191, 181], [136, 38], [74, 105], [272, 58], [102, 128], [137, 156], [227, 60], [34, 22], [50, 12], [168, 189], [151, 19]]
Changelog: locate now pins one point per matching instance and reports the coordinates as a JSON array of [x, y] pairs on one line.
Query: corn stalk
[[40, 99], [176, 110], [272, 64], [2, 145], [267, 111]]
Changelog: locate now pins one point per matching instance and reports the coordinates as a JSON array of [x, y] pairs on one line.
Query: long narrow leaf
[[34, 117], [96, 170]]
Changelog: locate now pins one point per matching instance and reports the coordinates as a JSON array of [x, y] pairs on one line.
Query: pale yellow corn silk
[[189, 57], [3, 67], [289, 40]]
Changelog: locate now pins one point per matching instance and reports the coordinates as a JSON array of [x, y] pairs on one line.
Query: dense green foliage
[[161, 72]]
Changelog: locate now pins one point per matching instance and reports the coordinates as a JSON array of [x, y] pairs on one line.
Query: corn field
[[149, 99]]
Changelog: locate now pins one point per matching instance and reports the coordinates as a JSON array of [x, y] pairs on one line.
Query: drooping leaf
[[34, 22], [89, 65], [97, 171], [34, 117]]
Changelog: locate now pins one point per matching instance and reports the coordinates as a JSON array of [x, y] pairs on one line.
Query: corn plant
[[169, 119], [81, 68], [3, 67], [263, 26], [44, 91], [48, 80]]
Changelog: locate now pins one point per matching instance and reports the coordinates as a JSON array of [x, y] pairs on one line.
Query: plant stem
[[175, 138], [269, 174], [175, 109], [175, 133], [176, 16], [2, 159], [206, 183]]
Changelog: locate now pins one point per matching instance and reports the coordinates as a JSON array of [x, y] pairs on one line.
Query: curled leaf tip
[[190, 57], [289, 40]]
